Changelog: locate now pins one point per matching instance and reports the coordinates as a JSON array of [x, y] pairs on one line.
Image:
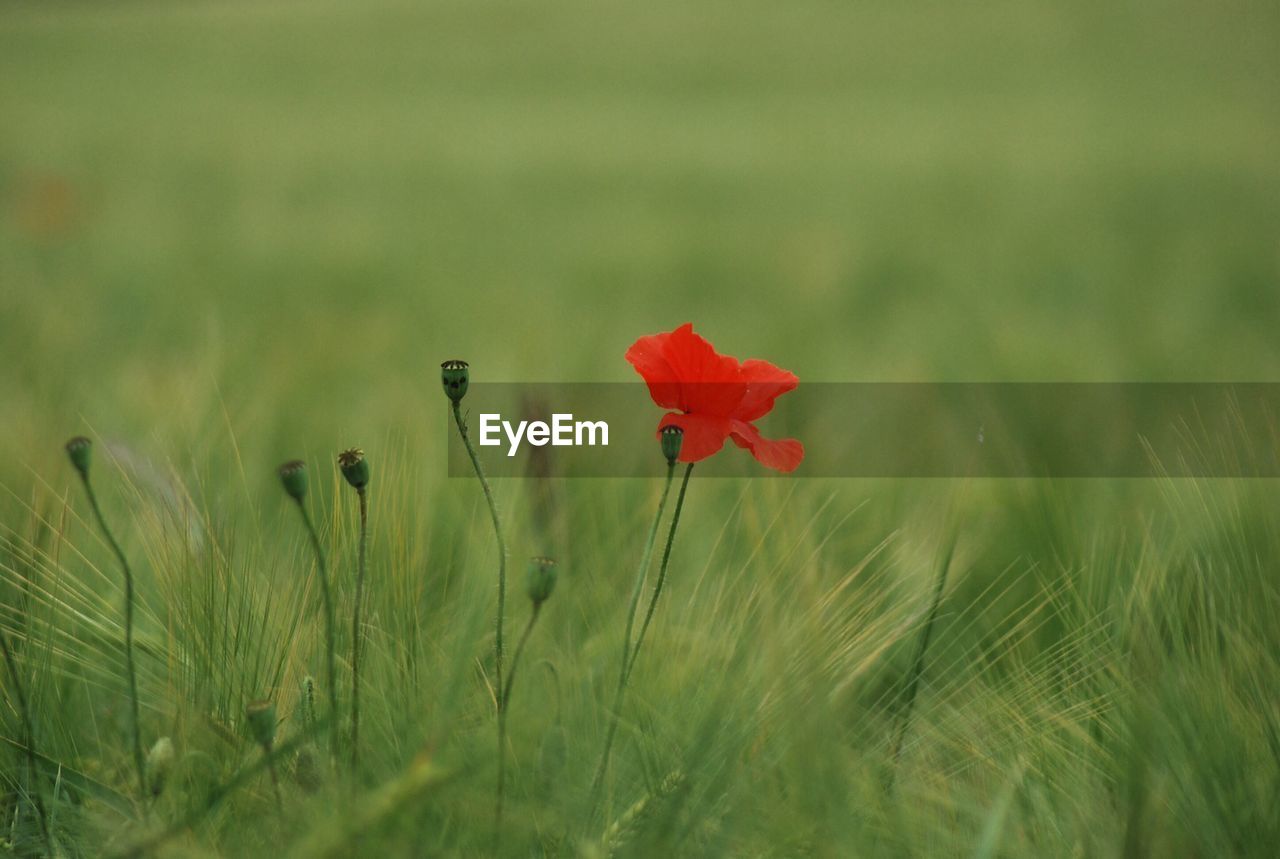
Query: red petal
[[781, 455], [685, 372], [649, 357], [703, 435], [765, 383]]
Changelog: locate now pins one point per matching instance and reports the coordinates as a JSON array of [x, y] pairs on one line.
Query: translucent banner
[[881, 429]]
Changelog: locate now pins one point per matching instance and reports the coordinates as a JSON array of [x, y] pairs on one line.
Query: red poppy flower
[[714, 397]]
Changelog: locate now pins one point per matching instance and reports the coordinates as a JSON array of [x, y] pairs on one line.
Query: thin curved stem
[[28, 728], [130, 669], [331, 671], [515, 658], [502, 548], [356, 630], [275, 777], [504, 701], [662, 569], [616, 712]]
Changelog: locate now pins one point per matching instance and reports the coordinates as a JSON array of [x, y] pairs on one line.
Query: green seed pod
[[79, 449], [159, 764], [354, 467], [261, 716], [672, 436], [455, 377], [540, 580], [293, 475]]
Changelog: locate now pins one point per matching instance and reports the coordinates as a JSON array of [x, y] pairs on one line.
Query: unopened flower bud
[[293, 475], [354, 467], [671, 436], [159, 763], [455, 377], [79, 449], [261, 716], [540, 580]]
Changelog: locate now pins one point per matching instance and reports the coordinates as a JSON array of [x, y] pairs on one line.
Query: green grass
[[235, 233]]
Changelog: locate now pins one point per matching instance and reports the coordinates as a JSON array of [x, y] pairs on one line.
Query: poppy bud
[[159, 763], [261, 716], [671, 436], [354, 467], [455, 377], [540, 580], [293, 475], [79, 449]]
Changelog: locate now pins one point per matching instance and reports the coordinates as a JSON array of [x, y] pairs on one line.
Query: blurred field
[[232, 233]]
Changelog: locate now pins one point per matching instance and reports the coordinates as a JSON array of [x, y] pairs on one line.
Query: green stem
[[356, 631], [275, 777], [616, 712], [331, 672], [504, 701], [130, 670], [502, 547], [515, 659], [917, 668], [28, 728], [662, 570]]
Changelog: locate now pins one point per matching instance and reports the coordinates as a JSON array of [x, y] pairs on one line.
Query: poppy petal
[[648, 356], [703, 435], [711, 385], [764, 384], [684, 371], [781, 454]]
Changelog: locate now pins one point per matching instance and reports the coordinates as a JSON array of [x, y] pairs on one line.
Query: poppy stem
[[356, 630], [130, 670], [275, 777], [331, 671], [625, 671], [502, 547], [662, 570], [504, 701]]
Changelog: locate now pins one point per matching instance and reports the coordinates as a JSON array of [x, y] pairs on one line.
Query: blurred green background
[[236, 232], [297, 206]]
